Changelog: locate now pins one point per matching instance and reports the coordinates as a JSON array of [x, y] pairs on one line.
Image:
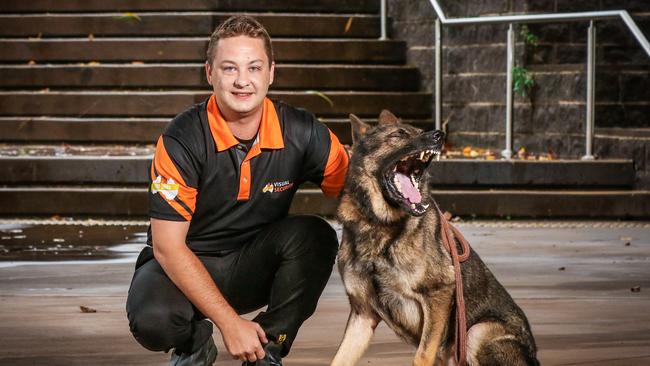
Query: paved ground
[[573, 280]]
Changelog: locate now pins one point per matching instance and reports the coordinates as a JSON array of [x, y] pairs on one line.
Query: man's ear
[[359, 128], [272, 73], [208, 72], [387, 118]]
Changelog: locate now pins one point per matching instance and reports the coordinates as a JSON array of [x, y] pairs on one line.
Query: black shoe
[[204, 356], [271, 358]]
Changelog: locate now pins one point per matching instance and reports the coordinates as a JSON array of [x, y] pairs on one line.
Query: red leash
[[461, 316]]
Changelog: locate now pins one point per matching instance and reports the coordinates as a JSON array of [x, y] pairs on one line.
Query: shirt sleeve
[[336, 168], [326, 161], [174, 180]]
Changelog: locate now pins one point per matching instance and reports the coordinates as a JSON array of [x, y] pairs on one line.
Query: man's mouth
[[405, 179], [241, 95]]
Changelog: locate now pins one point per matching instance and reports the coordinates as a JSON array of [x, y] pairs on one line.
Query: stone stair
[[87, 87]]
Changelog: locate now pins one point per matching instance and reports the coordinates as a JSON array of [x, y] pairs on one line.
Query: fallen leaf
[[561, 268], [130, 16], [348, 24], [322, 95], [636, 289], [550, 154], [31, 62], [137, 63], [91, 37], [628, 244], [521, 154], [85, 309]]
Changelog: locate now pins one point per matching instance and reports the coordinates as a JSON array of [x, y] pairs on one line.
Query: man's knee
[[312, 236], [159, 315], [157, 328]]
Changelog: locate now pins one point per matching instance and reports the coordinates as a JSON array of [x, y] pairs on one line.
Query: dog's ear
[[359, 128], [387, 118]]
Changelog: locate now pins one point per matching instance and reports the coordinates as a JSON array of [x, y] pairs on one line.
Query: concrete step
[[129, 170], [169, 103], [192, 49], [142, 130], [184, 24], [130, 76], [107, 201], [355, 6]]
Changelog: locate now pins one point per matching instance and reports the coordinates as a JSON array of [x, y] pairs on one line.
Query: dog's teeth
[[438, 155], [414, 182], [395, 168], [421, 155], [413, 206], [426, 205]]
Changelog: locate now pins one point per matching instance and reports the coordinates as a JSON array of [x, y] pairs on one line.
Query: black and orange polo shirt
[[201, 173]]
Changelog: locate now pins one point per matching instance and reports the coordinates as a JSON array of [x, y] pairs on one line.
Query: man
[[221, 242]]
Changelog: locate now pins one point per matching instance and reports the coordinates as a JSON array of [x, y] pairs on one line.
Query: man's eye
[[254, 68], [229, 69]]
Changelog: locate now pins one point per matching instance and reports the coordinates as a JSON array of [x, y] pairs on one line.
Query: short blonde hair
[[239, 25]]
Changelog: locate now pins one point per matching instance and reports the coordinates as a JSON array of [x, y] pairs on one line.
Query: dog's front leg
[[436, 310], [358, 332]]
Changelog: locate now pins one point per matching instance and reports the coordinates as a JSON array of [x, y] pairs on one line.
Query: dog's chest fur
[[393, 272]]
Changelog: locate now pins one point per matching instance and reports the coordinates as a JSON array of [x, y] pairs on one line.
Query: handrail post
[[438, 81], [384, 32], [507, 152], [591, 83]]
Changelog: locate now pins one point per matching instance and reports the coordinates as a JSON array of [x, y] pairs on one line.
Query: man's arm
[[241, 337]]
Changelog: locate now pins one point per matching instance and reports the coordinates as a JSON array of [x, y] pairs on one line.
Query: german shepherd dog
[[395, 267]]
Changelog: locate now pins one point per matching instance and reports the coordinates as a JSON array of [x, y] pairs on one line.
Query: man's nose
[[242, 80]]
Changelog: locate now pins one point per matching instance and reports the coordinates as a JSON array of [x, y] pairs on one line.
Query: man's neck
[[245, 127]]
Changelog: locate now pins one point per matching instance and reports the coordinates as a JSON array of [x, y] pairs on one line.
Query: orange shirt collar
[[270, 133]]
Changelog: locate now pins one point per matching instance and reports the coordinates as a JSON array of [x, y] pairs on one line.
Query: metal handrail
[[591, 16]]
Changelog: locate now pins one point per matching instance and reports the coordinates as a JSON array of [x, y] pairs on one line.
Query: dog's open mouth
[[405, 178]]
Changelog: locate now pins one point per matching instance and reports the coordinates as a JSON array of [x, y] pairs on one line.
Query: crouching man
[[221, 242]]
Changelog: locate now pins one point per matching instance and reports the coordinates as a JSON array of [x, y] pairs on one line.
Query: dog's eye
[[398, 134]]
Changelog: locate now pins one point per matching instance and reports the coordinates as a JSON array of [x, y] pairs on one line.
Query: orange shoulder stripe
[[336, 168], [166, 170]]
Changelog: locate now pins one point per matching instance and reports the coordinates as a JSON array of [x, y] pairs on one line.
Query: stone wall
[[551, 117]]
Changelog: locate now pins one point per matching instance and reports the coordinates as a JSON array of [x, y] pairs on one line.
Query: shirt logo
[[276, 187], [169, 190]]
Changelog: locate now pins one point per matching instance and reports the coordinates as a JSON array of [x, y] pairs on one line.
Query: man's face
[[240, 76]]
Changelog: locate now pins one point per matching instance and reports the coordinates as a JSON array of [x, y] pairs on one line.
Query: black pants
[[285, 267]]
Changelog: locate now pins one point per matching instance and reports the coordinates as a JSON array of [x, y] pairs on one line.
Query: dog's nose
[[438, 135]]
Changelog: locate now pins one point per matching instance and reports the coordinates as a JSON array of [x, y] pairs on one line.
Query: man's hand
[[244, 339]]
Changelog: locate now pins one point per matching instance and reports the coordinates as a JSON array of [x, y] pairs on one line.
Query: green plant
[[529, 38], [523, 80]]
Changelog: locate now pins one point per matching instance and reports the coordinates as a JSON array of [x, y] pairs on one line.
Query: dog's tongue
[[408, 191]]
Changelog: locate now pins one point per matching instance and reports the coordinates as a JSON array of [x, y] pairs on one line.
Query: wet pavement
[[67, 150], [585, 287], [59, 242]]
